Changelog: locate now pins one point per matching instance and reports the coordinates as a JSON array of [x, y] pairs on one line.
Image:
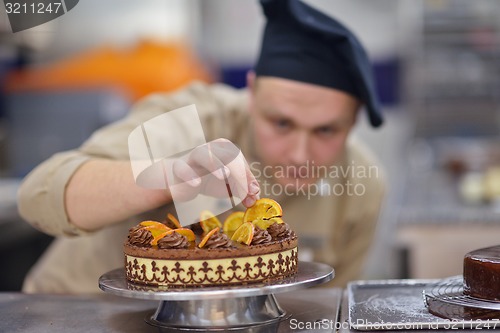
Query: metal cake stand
[[217, 308]]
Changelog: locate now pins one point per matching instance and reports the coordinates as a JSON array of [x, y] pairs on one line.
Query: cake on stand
[[217, 308]]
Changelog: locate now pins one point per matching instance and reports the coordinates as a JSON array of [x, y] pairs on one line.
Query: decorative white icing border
[[212, 271]]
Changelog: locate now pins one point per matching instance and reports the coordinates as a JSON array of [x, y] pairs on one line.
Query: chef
[[293, 125]]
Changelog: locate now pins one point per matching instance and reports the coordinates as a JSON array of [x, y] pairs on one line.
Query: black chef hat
[[301, 43]]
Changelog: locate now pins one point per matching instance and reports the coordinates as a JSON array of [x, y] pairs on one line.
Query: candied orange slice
[[154, 225], [207, 237], [233, 222], [186, 232], [264, 224], [244, 234], [278, 220], [264, 208], [174, 220], [209, 221], [158, 234]]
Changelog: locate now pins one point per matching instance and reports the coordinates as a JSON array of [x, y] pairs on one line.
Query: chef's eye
[[282, 124], [326, 131]]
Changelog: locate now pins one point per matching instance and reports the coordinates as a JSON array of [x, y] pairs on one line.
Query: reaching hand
[[216, 169]]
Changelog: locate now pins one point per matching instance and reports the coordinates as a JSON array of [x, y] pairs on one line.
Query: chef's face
[[299, 127]]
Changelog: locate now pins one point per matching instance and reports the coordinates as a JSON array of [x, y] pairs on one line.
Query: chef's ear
[[251, 85], [251, 81]]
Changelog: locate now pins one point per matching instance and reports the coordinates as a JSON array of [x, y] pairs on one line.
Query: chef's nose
[[299, 149]]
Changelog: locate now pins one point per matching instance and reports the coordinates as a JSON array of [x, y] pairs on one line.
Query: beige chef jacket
[[335, 220]]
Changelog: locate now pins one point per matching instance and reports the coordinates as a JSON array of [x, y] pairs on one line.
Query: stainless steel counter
[[107, 313], [310, 310]]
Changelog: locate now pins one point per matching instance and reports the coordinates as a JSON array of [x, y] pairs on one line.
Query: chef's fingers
[[243, 183], [253, 193], [242, 178], [225, 161], [203, 157], [184, 172]]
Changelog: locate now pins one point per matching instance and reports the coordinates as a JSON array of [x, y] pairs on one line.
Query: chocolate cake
[[482, 273], [179, 258]]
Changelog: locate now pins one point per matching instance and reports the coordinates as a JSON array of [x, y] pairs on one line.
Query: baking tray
[[399, 305]]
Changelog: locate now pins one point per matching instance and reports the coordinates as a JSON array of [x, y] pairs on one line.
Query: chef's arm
[[106, 181], [108, 187], [73, 193], [74, 198]]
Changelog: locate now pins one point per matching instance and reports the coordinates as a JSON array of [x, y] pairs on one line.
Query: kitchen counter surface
[[107, 313], [309, 310]]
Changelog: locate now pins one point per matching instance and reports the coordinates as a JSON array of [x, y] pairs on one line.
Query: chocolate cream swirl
[[218, 240], [260, 236], [280, 231], [173, 240], [139, 236]]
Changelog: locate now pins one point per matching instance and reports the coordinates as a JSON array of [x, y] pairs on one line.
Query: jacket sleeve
[[41, 194]]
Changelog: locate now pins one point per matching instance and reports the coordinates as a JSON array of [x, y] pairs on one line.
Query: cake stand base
[[252, 307], [218, 314]]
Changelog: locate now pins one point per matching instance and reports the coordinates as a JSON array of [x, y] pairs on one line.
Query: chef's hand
[[208, 168]]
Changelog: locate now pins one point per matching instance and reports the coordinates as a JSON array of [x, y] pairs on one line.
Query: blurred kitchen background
[[437, 67]]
